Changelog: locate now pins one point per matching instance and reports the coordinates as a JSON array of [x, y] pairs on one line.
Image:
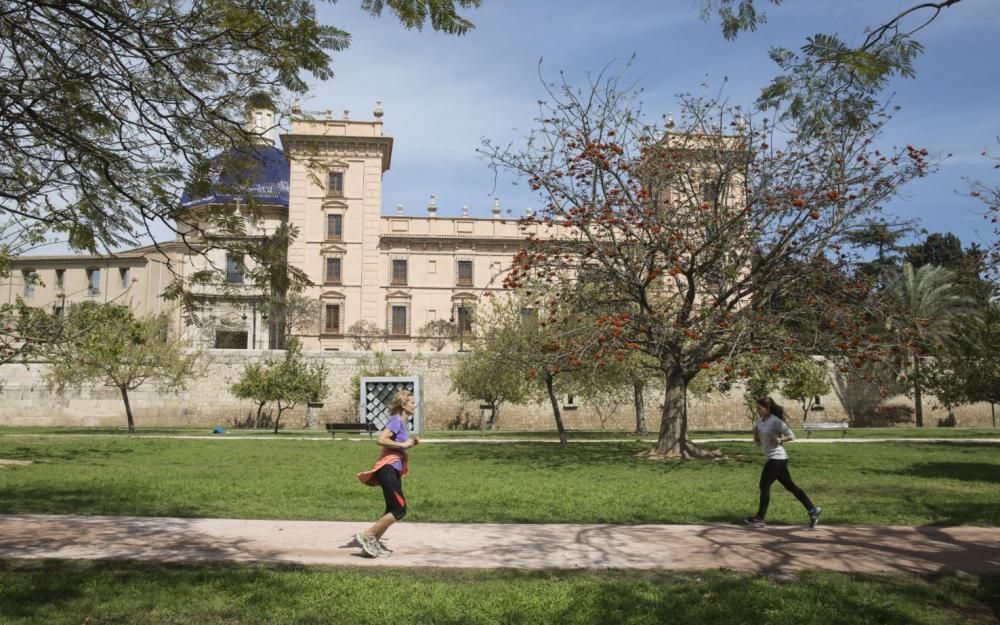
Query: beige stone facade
[[27, 402], [396, 271], [135, 278]]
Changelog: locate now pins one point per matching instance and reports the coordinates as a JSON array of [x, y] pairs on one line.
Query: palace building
[[395, 271]]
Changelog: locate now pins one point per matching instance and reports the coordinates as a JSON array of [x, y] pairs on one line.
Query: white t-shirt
[[768, 431]]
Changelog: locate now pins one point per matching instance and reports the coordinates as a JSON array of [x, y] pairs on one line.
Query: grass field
[[71, 593], [882, 483]]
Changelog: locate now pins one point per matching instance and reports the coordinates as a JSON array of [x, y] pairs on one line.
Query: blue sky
[[443, 94]]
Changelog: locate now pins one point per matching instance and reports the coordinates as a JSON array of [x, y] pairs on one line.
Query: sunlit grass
[[885, 483]]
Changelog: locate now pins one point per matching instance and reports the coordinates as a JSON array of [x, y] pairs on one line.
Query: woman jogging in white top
[[769, 433]]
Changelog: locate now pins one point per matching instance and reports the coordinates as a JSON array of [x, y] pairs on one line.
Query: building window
[[529, 315], [333, 270], [234, 268], [60, 279], [334, 227], [711, 191], [464, 315], [398, 321], [432, 266], [335, 183], [30, 277], [123, 273], [93, 281], [331, 319], [58, 309], [398, 271], [464, 273], [230, 339]]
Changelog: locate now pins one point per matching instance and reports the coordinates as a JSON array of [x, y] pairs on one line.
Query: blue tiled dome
[[261, 172]]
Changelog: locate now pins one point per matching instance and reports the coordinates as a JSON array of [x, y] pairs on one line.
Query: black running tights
[[778, 470]]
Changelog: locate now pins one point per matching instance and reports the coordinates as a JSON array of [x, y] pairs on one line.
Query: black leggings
[[778, 470], [392, 490]]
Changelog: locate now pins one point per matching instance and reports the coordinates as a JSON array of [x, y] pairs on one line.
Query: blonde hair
[[396, 404]]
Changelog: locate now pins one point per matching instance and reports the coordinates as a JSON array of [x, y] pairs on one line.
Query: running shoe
[[814, 516], [368, 544], [383, 548]]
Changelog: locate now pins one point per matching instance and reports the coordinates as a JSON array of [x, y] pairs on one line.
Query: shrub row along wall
[[25, 401]]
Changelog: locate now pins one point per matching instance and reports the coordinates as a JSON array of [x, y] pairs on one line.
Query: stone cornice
[[341, 146], [423, 238]]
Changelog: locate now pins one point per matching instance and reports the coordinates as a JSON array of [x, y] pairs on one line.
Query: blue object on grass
[[218, 430]]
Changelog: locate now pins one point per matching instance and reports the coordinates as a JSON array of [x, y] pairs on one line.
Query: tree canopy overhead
[[108, 107]]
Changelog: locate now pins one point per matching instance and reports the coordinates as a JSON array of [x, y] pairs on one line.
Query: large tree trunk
[[256, 421], [128, 409], [917, 395], [640, 408], [673, 441], [555, 407], [277, 419], [490, 422], [993, 412]]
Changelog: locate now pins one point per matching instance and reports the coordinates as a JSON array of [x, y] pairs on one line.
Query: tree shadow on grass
[[965, 513], [544, 455], [724, 598], [47, 499], [36, 588], [553, 456], [599, 598], [47, 454], [965, 471]]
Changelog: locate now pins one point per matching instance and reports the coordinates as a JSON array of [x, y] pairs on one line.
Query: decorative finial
[[496, 208], [465, 211], [528, 211], [399, 209], [670, 120], [432, 208], [347, 115], [378, 109]]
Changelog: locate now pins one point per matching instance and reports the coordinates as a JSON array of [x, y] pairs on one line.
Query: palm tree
[[926, 303]]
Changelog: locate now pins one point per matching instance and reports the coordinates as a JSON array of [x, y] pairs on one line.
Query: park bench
[[354, 426], [813, 426]]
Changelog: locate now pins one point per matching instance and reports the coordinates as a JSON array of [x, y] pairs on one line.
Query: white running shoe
[[368, 544], [383, 548]]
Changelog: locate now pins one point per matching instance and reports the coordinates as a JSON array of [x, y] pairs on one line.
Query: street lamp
[[253, 332]]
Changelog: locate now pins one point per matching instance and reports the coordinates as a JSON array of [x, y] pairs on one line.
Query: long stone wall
[[26, 401]]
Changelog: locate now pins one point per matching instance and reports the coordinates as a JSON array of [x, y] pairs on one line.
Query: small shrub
[[885, 416], [947, 422]]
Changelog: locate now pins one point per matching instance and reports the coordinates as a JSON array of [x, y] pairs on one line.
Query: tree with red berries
[[700, 241]]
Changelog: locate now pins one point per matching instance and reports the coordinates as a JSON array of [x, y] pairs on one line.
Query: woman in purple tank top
[[388, 471]]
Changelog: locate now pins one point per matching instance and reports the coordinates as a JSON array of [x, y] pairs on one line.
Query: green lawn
[[897, 483], [71, 593]]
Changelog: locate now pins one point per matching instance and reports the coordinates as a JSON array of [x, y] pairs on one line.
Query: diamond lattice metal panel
[[376, 393]]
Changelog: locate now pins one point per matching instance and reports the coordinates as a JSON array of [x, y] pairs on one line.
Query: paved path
[[448, 545]]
